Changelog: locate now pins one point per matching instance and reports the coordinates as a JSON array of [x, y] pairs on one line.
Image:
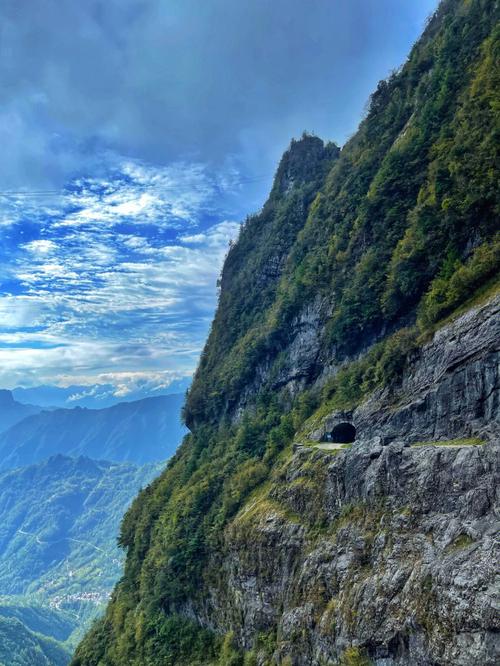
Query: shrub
[[454, 285]]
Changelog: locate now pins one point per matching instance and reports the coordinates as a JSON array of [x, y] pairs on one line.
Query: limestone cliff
[[387, 548], [336, 499]]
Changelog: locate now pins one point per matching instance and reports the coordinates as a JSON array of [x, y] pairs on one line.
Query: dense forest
[[383, 240]]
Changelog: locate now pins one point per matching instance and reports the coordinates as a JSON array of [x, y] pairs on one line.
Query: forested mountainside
[[40, 620], [58, 524], [360, 304], [59, 515], [19, 646], [58, 554], [141, 432]]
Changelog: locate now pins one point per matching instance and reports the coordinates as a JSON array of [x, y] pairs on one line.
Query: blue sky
[[135, 135]]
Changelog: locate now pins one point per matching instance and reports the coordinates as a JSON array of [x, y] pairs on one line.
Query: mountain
[[334, 502], [94, 396], [41, 620], [142, 431], [19, 646], [59, 518], [59, 523], [58, 553], [11, 411]]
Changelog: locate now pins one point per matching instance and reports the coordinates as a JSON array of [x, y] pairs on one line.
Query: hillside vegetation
[[58, 525], [58, 554], [375, 245], [50, 622], [19, 646]]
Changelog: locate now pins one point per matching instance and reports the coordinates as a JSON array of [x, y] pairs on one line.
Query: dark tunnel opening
[[343, 433]]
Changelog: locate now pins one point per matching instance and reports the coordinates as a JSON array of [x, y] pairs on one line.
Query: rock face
[[260, 544], [403, 566], [451, 388], [386, 551]]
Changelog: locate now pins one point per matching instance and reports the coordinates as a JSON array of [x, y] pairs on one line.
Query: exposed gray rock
[[450, 389], [299, 361], [404, 565], [384, 549]]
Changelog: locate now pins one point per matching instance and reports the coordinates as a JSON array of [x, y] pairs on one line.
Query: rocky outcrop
[[383, 551], [402, 569], [304, 158], [450, 388]]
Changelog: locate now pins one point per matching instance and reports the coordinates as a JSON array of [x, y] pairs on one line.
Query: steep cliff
[[385, 547], [334, 502]]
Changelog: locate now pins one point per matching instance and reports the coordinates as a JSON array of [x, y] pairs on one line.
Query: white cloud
[[215, 236], [40, 246], [144, 194], [133, 303]]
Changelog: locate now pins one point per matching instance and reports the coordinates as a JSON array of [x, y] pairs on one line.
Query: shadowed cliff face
[[364, 292]]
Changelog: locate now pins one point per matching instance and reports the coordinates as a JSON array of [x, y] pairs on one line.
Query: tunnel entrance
[[343, 433]]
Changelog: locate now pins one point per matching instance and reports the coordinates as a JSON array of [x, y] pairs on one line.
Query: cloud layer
[[117, 278], [133, 134], [187, 79]]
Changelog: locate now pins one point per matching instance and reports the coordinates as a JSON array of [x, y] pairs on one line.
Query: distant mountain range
[[142, 431], [11, 412], [61, 504], [95, 396]]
